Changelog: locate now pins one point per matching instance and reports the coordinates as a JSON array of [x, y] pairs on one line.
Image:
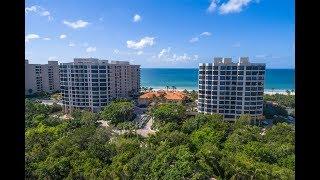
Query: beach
[[267, 91], [276, 80]]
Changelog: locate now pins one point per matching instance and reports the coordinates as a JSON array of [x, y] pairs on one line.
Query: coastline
[[266, 91]]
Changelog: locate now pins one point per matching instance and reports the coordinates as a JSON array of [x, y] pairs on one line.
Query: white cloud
[[267, 56], [31, 9], [164, 52], [77, 24], [195, 39], [144, 42], [47, 39], [205, 34], [85, 44], [116, 51], [31, 36], [45, 13], [136, 18], [213, 6], [139, 52], [229, 6], [91, 49], [183, 58], [168, 56], [52, 58], [39, 10], [71, 44], [62, 36], [233, 6]]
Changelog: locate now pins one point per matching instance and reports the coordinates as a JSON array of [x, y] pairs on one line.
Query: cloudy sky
[[161, 33]]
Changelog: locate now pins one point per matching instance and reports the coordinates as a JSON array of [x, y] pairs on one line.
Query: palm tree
[[173, 88], [150, 88], [288, 92], [167, 87], [272, 89], [145, 88]]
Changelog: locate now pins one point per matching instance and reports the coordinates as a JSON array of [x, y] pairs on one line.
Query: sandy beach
[[267, 91]]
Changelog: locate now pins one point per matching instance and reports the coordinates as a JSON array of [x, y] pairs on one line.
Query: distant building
[[231, 88], [168, 96], [89, 83], [41, 77]]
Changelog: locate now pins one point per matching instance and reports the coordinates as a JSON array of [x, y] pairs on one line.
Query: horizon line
[[196, 68]]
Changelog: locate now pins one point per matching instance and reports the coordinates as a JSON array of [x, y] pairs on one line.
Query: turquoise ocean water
[[159, 78]]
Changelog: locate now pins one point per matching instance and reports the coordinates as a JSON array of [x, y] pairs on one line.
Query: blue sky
[[161, 33]]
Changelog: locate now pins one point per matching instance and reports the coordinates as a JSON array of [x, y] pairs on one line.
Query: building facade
[[230, 88], [41, 77], [89, 83]]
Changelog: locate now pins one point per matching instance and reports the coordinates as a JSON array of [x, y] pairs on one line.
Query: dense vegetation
[[118, 112], [269, 111], [279, 110], [281, 99], [197, 147]]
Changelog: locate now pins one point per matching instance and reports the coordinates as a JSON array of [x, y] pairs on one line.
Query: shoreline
[[266, 91]]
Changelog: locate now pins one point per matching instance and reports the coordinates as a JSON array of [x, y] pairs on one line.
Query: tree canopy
[[118, 112], [169, 112], [200, 147]]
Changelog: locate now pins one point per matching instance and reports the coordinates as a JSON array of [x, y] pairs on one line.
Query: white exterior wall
[[113, 81], [235, 96]]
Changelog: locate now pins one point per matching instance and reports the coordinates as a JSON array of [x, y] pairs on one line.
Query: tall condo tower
[[230, 88], [41, 77], [89, 83]]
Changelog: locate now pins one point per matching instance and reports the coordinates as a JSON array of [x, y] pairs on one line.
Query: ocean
[[159, 78]]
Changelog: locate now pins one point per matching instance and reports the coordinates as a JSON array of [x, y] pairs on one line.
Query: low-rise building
[[161, 95]]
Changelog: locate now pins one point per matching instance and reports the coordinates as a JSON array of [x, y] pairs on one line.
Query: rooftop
[[96, 61], [228, 61], [169, 95]]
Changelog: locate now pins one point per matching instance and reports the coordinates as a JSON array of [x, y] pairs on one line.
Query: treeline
[[281, 99], [199, 147]]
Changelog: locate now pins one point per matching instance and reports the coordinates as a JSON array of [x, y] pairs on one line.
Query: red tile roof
[[169, 95]]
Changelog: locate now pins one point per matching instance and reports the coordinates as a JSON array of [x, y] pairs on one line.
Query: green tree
[[169, 112], [243, 120], [117, 112]]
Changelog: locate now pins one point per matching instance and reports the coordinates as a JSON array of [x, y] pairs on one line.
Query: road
[[146, 130]]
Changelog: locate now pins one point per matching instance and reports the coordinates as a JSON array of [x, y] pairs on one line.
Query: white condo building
[[89, 83], [41, 77], [230, 88]]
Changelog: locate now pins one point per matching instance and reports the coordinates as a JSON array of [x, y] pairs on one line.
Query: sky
[[161, 33]]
